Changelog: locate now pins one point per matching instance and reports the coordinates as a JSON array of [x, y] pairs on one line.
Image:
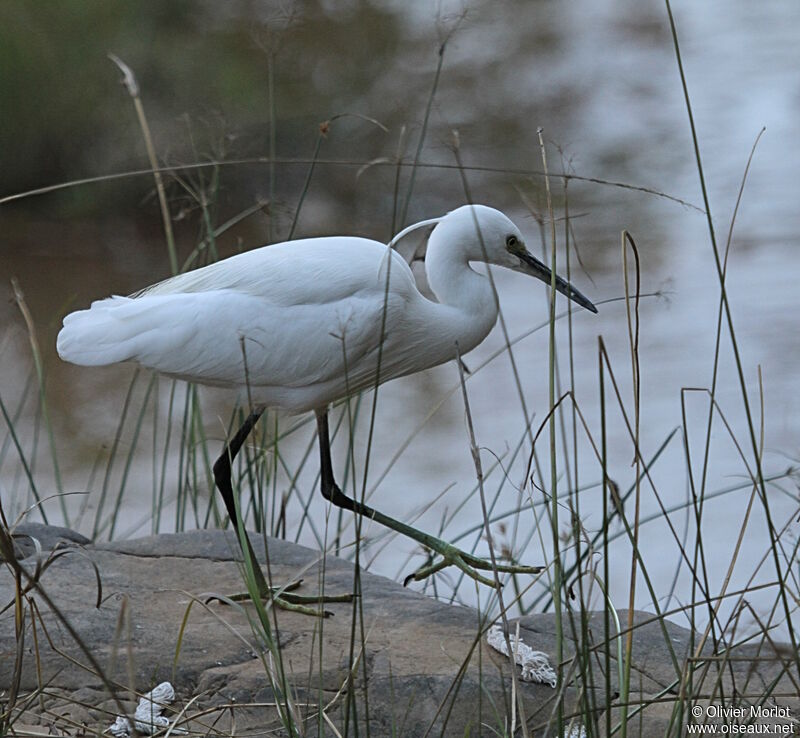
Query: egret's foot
[[286, 599], [453, 556]]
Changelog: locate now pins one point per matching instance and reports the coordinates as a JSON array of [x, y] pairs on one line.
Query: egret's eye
[[512, 242]]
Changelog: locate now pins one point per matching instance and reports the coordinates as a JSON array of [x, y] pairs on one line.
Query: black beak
[[531, 265]]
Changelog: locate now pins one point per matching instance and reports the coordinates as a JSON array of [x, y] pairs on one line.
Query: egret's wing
[[302, 272], [308, 323]]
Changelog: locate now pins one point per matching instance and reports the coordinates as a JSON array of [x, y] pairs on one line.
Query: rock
[[32, 537], [421, 669]]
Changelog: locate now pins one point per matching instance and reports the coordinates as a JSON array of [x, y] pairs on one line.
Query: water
[[602, 81]]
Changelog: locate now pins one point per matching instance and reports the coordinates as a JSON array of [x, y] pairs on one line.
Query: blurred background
[[243, 88]]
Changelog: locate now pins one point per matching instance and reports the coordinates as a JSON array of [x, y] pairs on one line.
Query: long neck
[[467, 301]]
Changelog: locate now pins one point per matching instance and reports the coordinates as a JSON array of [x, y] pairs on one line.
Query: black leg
[[330, 490], [449, 553], [222, 477], [287, 600]]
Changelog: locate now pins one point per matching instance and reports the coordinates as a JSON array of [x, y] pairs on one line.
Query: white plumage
[[303, 323], [300, 322]]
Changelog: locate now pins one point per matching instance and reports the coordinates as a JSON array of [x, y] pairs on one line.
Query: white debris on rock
[[535, 664], [147, 718], [575, 731], [120, 727]]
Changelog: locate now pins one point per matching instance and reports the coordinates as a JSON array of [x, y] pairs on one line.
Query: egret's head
[[485, 234]]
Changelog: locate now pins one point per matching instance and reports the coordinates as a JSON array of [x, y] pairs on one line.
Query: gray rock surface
[[420, 667], [28, 538]]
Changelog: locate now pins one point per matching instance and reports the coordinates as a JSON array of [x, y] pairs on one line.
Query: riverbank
[[404, 663]]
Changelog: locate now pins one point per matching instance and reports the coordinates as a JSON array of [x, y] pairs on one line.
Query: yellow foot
[[286, 599], [452, 556]]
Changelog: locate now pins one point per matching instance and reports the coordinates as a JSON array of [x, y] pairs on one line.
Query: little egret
[[301, 324]]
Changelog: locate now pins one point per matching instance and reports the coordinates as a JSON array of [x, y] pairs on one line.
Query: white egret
[[302, 324]]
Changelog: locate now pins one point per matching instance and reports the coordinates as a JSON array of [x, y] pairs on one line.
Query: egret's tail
[[103, 334]]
